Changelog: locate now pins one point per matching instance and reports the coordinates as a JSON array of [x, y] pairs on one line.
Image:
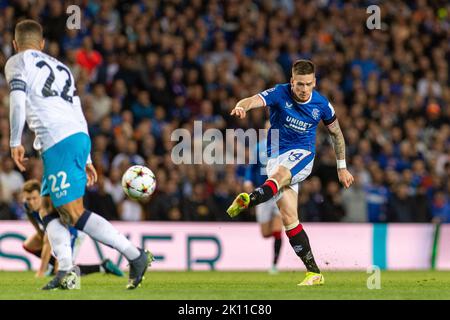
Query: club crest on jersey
[[315, 113], [288, 105]]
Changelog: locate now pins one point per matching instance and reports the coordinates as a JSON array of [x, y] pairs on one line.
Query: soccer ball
[[138, 182]]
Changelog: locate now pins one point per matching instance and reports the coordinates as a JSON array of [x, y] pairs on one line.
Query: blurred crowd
[[146, 68]]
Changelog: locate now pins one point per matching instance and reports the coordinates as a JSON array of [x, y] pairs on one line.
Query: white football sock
[[59, 237], [100, 229]]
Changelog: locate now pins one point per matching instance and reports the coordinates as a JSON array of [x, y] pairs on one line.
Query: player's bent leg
[[65, 280], [282, 175], [98, 228], [33, 244], [266, 229], [239, 204], [59, 237], [276, 225], [298, 237], [263, 193], [277, 180]]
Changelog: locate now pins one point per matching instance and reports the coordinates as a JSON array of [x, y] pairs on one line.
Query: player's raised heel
[[72, 280], [312, 279], [65, 280], [239, 204], [138, 268]]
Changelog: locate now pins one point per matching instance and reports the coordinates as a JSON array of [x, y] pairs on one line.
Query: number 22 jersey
[[52, 108]]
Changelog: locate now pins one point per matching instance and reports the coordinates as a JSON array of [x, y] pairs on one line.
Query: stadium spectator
[[333, 210], [377, 197], [199, 207], [440, 207], [400, 205], [101, 102], [10, 179], [88, 58], [99, 200], [354, 202]]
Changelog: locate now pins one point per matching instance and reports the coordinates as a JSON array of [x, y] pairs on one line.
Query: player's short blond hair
[[302, 67], [27, 31], [32, 185]]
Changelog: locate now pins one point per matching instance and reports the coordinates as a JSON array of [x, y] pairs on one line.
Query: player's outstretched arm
[[338, 142], [245, 105]]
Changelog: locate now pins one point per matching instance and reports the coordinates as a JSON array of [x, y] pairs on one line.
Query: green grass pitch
[[235, 285]]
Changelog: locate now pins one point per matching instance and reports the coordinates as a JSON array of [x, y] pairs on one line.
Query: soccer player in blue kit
[[295, 111], [43, 94]]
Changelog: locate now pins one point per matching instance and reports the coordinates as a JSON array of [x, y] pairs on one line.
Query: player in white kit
[[43, 93]]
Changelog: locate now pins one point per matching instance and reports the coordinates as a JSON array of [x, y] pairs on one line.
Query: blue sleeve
[[270, 96], [328, 114]]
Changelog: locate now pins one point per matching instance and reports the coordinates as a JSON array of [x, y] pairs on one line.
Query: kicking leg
[[279, 179], [298, 237], [98, 228], [33, 244]]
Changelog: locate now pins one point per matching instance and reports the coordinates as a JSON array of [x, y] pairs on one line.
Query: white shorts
[[266, 211], [298, 161]]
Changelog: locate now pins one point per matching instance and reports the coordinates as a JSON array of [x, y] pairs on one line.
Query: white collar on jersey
[[307, 101]]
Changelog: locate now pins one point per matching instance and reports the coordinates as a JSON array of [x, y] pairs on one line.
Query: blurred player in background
[[43, 93], [295, 111], [39, 245], [267, 213]]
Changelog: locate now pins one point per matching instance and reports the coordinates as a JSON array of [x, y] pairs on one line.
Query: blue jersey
[[377, 198], [296, 121]]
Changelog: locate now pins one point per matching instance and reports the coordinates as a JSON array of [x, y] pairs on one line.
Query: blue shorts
[[64, 176]]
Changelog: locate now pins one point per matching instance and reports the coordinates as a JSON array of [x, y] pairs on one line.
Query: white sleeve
[[15, 76], [17, 100], [82, 119]]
